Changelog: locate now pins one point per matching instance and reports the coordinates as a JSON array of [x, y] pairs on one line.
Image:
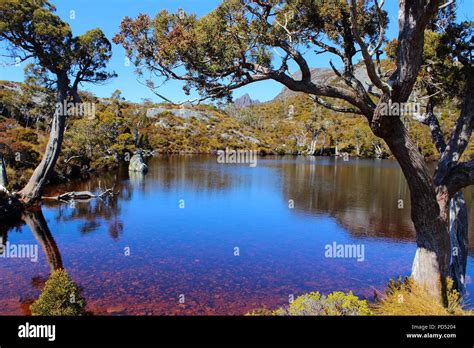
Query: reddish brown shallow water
[[189, 253]]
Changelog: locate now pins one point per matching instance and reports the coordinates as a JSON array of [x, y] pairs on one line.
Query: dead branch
[[82, 195]]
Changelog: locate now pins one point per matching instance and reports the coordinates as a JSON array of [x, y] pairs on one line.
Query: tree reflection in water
[[92, 213], [39, 227]]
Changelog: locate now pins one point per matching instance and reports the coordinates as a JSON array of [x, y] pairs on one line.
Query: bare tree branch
[[432, 122], [412, 20], [381, 27], [367, 56], [336, 108], [450, 2], [299, 59], [460, 176]]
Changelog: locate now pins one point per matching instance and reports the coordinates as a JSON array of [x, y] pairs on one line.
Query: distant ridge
[[245, 101]]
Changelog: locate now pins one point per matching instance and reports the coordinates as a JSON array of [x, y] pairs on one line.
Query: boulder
[[137, 164]]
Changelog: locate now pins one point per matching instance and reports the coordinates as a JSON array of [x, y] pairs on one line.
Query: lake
[[195, 237]]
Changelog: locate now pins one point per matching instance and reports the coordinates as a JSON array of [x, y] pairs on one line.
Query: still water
[[195, 237]]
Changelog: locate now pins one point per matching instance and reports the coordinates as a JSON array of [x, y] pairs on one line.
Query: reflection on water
[[362, 195], [174, 231], [40, 230]]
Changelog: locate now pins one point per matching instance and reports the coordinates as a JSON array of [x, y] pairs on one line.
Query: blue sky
[[107, 15]]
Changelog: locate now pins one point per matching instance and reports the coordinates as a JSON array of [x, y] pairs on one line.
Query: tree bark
[[459, 232], [431, 263], [31, 193], [458, 218]]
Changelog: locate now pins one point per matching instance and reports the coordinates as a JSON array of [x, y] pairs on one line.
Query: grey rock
[[178, 112], [137, 164]]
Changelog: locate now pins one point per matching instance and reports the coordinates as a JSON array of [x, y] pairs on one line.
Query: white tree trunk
[[31, 193]]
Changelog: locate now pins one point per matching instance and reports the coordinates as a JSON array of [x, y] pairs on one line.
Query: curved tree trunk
[[429, 208], [458, 218], [31, 193]]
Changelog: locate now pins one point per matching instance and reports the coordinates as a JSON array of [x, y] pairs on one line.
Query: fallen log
[[70, 196], [81, 195]]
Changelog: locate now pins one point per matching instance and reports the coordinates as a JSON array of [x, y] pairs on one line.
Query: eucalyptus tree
[[242, 42], [443, 76], [31, 31]]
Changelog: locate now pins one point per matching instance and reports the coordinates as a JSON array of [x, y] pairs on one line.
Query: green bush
[[60, 297], [336, 303]]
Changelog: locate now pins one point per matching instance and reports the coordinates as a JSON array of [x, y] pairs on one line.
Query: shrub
[[404, 297], [60, 297], [336, 303]]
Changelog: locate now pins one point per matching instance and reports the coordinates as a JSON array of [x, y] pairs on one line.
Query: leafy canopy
[[32, 30], [241, 42]]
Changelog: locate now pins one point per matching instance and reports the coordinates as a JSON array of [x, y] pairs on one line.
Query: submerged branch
[[81, 195]]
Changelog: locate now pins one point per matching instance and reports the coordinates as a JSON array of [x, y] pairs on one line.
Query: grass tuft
[[404, 297]]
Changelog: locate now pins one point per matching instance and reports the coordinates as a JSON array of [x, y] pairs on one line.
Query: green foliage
[[446, 53], [21, 148], [336, 303], [91, 53], [60, 297], [43, 33], [314, 303], [31, 27], [237, 39], [401, 297], [98, 141], [288, 127]]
